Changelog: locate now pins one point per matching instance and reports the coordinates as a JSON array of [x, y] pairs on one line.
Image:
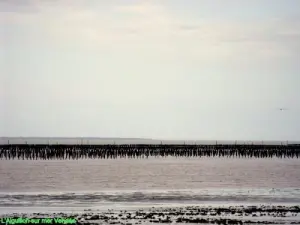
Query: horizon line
[[144, 138]]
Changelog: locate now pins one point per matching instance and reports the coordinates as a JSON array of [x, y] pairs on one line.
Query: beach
[[254, 214]]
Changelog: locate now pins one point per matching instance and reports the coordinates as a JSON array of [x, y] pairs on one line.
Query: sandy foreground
[[175, 215]]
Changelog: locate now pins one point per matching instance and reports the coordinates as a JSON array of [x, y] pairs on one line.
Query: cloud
[[115, 57], [123, 26]]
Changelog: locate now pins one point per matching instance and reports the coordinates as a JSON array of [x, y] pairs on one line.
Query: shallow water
[[155, 181]]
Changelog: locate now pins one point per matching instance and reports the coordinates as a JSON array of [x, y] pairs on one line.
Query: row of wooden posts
[[48, 152]]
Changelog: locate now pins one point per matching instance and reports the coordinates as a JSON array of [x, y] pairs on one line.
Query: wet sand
[[182, 215]]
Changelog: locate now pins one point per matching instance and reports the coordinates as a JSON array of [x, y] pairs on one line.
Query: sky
[[168, 69]]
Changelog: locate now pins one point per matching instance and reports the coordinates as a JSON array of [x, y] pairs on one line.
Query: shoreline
[[263, 214]]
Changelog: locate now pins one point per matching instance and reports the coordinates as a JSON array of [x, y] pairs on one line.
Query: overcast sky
[[169, 69]]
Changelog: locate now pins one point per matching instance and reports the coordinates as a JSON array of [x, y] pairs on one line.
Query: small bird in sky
[[282, 109]]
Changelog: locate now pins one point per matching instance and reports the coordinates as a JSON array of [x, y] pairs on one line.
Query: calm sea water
[[113, 183]]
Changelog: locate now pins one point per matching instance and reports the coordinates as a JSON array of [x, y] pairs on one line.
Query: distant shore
[[116, 140]]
